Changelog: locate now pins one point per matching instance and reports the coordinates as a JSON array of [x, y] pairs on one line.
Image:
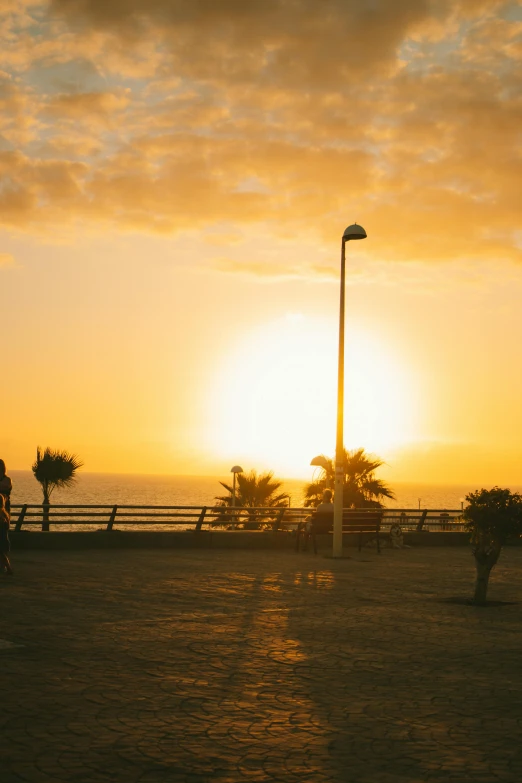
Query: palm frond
[[254, 490], [360, 485], [378, 489], [55, 469]]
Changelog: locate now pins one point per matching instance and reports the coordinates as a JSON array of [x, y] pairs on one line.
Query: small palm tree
[[361, 488], [54, 469], [254, 491]]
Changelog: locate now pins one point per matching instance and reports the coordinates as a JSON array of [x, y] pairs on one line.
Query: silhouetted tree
[[54, 469], [492, 516], [254, 491], [361, 488]]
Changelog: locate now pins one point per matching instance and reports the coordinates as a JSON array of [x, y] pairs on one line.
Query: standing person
[[6, 485], [5, 546]]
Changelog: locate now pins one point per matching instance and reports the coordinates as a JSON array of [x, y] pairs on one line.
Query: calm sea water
[[110, 489]]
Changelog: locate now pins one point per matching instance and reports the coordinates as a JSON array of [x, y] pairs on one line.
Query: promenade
[[192, 666]]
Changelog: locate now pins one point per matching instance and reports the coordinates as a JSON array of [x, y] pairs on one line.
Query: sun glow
[[274, 401]]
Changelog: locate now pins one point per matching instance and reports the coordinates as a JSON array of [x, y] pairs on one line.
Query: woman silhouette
[[6, 485], [5, 546]]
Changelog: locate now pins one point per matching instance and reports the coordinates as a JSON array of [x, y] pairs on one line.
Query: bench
[[365, 524]]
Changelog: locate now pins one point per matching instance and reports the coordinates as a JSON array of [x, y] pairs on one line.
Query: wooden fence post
[[112, 517], [201, 518], [422, 520], [21, 517]]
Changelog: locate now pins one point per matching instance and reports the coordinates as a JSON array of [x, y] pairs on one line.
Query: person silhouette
[[5, 545], [6, 486]]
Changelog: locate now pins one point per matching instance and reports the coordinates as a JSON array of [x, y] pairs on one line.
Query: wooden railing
[[424, 519], [31, 514]]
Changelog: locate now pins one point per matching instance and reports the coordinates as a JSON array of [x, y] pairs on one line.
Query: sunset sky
[[175, 178]]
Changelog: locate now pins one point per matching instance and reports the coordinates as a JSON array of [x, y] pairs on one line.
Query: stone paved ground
[[229, 666]]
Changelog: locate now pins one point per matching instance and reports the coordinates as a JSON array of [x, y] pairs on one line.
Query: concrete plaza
[[191, 666]]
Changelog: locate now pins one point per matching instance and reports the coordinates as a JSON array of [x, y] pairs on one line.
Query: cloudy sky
[[175, 177]]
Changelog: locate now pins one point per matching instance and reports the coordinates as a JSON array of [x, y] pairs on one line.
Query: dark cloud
[[270, 41], [86, 106]]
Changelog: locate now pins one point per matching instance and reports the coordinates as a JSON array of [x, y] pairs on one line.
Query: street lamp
[[352, 232], [322, 462], [236, 469]]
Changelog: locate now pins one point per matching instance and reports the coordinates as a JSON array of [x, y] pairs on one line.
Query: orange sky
[[175, 178]]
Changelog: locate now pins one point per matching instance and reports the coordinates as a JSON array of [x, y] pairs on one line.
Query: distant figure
[[5, 545], [6, 485]]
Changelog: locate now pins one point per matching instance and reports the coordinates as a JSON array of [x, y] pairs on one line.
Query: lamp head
[[320, 462], [354, 232]]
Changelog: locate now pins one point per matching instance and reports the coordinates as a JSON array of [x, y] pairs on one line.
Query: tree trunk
[[45, 515], [485, 559], [481, 583]]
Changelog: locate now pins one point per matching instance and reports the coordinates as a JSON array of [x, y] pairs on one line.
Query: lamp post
[[236, 469], [352, 232]]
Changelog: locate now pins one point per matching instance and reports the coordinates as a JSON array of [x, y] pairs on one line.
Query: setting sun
[[273, 401]]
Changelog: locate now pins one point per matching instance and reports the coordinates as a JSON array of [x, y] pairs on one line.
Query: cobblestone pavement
[[230, 666]]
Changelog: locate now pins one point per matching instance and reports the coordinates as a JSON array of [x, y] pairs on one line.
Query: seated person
[[322, 518], [316, 522], [326, 506]]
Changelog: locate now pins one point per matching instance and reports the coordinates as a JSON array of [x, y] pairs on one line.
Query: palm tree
[[53, 469], [254, 491], [361, 488]]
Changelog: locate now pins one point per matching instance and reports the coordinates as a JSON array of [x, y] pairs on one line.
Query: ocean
[[112, 488]]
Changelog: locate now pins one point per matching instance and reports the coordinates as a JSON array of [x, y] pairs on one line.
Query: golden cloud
[[86, 106], [167, 115]]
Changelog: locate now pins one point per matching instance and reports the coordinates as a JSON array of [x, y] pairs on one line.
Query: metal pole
[[234, 501], [339, 444]]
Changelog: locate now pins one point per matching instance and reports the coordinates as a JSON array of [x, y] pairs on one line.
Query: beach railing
[[422, 520], [114, 517]]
